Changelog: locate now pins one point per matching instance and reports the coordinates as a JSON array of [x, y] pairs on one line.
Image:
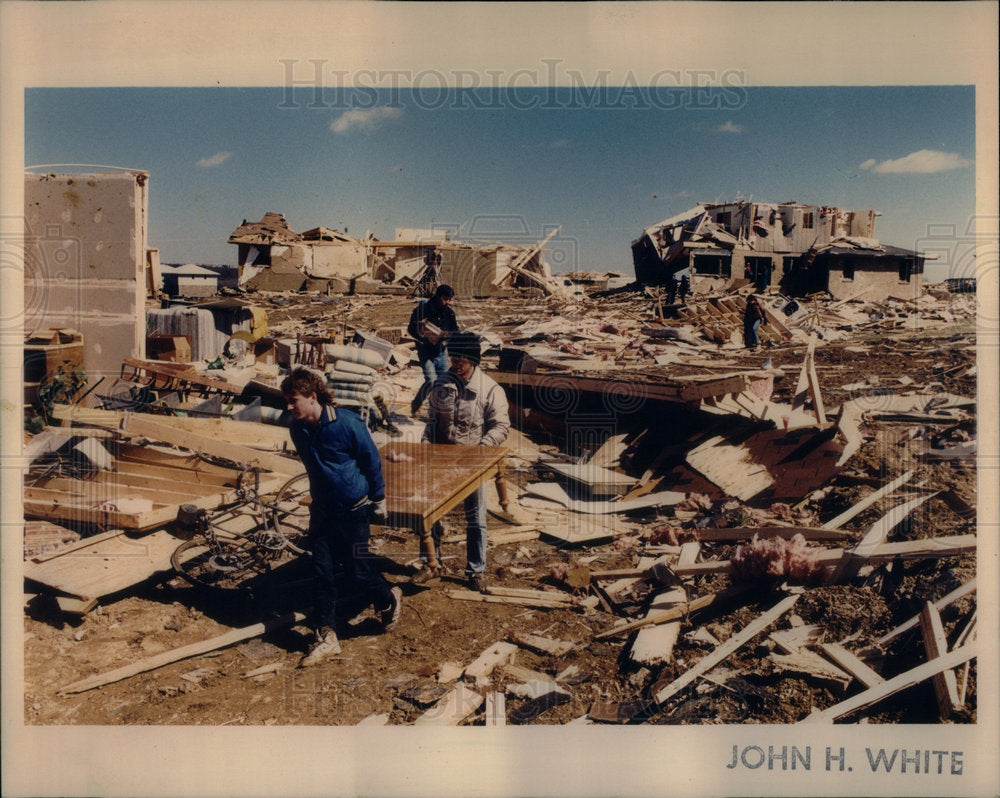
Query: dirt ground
[[395, 674]]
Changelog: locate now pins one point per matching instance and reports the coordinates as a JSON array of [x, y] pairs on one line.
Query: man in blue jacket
[[431, 352], [347, 489]]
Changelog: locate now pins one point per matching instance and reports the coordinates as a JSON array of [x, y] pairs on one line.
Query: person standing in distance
[[347, 489], [468, 408], [431, 322]]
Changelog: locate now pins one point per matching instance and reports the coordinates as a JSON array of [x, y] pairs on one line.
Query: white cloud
[[559, 143], [729, 126], [367, 120], [919, 162], [397, 168], [216, 160]]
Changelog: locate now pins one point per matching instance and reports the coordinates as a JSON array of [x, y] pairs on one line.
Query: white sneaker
[[325, 647]]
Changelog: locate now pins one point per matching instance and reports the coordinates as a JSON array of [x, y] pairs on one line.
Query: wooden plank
[[708, 662], [802, 385], [498, 654], [522, 674], [75, 606], [941, 603], [108, 566], [455, 707], [184, 652], [610, 452], [811, 664], [936, 645], [901, 682], [651, 390], [654, 645], [107, 486], [599, 481], [663, 616], [850, 663], [815, 393], [525, 592], [496, 709], [267, 437], [868, 501], [471, 595], [876, 535], [138, 424], [177, 371], [541, 644]]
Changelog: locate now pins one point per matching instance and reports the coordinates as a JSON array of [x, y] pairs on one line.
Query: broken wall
[[85, 262], [329, 259], [877, 283]]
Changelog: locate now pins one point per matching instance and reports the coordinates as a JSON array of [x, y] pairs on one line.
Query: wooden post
[[936, 644]]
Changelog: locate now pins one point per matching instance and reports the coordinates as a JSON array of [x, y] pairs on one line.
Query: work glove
[[380, 511]]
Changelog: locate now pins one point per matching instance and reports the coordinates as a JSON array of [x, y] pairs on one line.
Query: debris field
[[684, 530]]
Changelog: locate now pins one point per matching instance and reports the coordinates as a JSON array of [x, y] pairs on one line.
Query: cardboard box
[[176, 348]]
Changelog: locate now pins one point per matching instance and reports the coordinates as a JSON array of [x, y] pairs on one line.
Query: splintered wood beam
[[868, 501], [876, 535], [814, 391], [802, 385], [706, 663], [941, 603], [184, 652], [663, 616], [850, 663], [471, 595], [936, 645], [887, 688]]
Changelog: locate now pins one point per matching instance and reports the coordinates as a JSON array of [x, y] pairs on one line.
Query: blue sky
[[221, 155]]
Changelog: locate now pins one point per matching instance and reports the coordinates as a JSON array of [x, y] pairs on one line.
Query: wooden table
[[435, 479]]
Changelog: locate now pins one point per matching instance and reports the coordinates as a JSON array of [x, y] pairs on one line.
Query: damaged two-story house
[[800, 248]]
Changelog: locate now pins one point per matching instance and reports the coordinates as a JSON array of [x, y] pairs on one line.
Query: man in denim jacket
[[347, 489], [467, 408]]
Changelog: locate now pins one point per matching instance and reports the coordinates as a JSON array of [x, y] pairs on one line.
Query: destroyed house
[[800, 248], [274, 257]]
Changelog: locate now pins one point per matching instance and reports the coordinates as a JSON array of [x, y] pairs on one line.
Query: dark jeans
[[341, 538]]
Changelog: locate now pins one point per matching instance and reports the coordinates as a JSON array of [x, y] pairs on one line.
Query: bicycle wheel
[[221, 564], [290, 512]]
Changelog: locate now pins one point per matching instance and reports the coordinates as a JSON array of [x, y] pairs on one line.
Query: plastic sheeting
[[197, 324]]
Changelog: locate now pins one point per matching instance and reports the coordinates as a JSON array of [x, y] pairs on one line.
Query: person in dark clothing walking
[[347, 490], [684, 288], [753, 317], [430, 324], [671, 290]]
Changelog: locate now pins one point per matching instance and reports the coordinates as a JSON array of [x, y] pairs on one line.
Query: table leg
[[427, 544]]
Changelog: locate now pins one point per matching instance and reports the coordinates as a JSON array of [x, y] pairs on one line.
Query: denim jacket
[[341, 459]]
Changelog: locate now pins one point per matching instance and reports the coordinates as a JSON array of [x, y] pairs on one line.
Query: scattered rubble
[[669, 499]]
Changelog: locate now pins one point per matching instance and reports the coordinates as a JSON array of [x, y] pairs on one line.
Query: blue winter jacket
[[341, 459]]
